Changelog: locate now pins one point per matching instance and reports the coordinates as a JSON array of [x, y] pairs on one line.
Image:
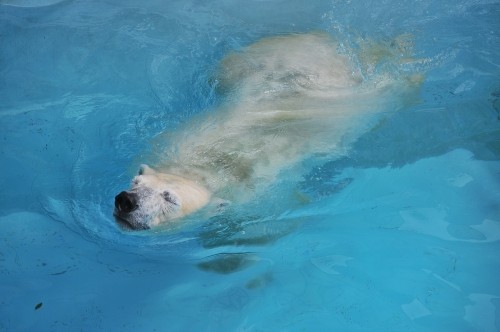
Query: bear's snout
[[126, 202]]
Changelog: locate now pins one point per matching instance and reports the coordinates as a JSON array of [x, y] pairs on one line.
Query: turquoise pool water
[[402, 233]]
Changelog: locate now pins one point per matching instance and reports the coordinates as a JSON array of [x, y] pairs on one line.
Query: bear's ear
[[146, 170]]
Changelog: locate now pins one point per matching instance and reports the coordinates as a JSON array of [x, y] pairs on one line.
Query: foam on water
[[401, 232]]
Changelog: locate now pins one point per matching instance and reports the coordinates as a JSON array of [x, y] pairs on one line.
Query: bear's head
[[156, 197]]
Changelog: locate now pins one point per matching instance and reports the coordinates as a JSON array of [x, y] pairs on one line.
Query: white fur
[[289, 98]]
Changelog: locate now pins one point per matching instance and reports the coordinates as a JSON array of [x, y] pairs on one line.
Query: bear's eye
[[169, 198]]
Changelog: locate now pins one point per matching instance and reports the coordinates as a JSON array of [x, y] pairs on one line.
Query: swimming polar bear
[[288, 98]]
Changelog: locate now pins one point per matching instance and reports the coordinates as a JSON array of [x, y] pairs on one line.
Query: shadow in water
[[234, 230], [228, 263]]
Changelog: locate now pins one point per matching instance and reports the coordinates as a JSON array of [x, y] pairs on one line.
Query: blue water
[[403, 233]]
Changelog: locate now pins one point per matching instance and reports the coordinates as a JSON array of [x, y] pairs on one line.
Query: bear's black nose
[[126, 202]]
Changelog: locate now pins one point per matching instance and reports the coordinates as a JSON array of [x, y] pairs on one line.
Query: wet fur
[[288, 98]]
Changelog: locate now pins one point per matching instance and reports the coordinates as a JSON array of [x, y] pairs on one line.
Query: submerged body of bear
[[289, 98]]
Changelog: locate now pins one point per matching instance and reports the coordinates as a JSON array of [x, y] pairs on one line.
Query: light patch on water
[[432, 221], [482, 313], [415, 309], [428, 221], [465, 86], [460, 180], [438, 277], [330, 264], [490, 229]]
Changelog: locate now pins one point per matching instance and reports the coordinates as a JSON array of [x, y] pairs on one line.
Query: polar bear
[[288, 98]]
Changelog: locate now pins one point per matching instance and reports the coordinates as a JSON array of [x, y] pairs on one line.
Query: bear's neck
[[196, 175], [222, 183]]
